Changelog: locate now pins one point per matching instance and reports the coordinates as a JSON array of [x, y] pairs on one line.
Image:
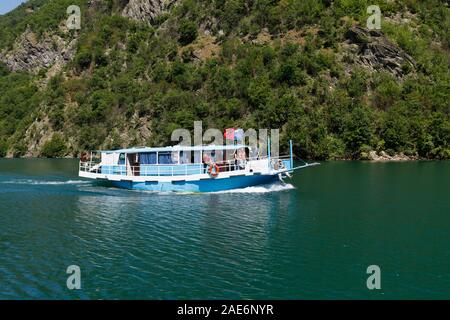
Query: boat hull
[[206, 185]]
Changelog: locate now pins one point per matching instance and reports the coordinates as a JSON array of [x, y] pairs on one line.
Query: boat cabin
[[177, 160]]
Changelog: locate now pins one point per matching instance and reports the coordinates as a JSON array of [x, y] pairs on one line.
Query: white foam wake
[[275, 187], [43, 182]]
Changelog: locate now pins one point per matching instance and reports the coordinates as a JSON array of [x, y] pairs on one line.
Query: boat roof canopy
[[176, 148]]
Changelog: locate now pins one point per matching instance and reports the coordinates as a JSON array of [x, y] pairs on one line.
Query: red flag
[[229, 134]]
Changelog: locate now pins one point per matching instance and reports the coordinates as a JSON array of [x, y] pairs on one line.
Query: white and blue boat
[[178, 168]]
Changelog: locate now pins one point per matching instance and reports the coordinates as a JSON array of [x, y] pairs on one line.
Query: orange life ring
[[216, 171]]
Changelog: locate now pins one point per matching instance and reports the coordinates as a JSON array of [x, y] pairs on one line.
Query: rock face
[[32, 54], [383, 156], [147, 10], [375, 51]]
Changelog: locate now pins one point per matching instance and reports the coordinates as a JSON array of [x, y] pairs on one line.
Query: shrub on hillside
[[188, 32], [3, 149], [54, 148]]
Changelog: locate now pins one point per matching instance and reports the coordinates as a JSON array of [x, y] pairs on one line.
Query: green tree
[[83, 60], [3, 148], [4, 71], [188, 32], [54, 148], [359, 129]]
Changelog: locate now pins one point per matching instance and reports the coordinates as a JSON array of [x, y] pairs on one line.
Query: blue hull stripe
[[208, 185]]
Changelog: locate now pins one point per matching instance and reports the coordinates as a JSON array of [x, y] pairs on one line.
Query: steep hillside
[[138, 69]]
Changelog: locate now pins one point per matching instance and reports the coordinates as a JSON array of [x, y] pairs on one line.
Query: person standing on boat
[[175, 157], [206, 161], [213, 156], [240, 158]]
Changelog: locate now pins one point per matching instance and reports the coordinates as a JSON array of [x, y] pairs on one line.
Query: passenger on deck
[[213, 156], [206, 161], [84, 157], [175, 157], [240, 159]]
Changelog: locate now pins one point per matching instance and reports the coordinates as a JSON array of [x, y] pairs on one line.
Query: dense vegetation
[[128, 75]]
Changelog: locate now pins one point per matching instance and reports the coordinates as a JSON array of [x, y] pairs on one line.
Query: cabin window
[[197, 156], [185, 157], [122, 159], [164, 158], [175, 157], [148, 158]]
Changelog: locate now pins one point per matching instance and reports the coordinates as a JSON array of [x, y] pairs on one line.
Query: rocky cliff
[[376, 52], [32, 53], [147, 10]]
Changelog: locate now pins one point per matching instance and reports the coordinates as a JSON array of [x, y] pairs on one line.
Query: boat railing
[[172, 169]]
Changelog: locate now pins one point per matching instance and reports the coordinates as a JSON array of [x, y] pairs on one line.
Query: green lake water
[[311, 239]]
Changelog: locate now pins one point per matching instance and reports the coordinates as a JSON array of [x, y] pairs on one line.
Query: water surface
[[311, 239]]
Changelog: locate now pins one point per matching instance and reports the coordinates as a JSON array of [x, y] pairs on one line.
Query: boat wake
[[275, 187], [44, 182]]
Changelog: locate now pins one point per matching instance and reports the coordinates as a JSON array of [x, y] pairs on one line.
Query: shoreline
[[371, 156]]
